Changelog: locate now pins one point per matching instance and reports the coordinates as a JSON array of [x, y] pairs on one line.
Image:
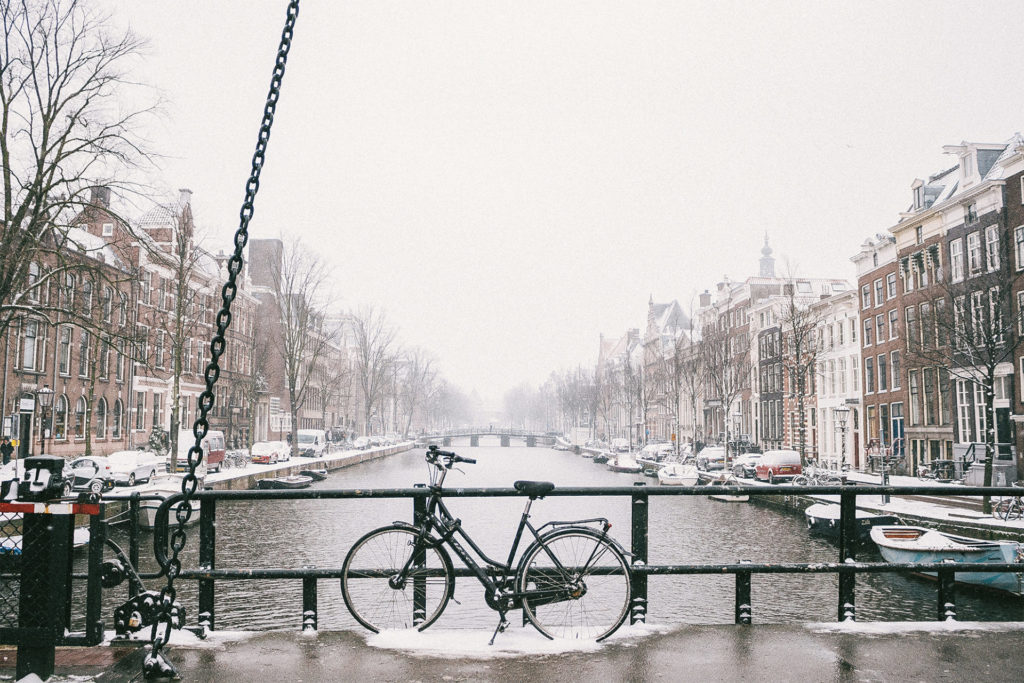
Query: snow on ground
[[884, 627], [183, 638], [514, 642]]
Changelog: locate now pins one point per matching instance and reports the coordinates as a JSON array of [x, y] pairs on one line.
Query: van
[[778, 466], [214, 449], [312, 442]]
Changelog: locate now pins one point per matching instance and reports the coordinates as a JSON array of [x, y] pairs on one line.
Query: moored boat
[[158, 491], [315, 475], [601, 458], [823, 520], [678, 474], [293, 481], [721, 483], [621, 463], [917, 544]]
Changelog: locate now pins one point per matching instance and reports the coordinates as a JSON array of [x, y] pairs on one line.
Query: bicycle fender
[[566, 529]]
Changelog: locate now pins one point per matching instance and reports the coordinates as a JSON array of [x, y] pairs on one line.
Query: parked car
[[711, 458], [778, 466], [312, 443], [620, 445], [269, 452], [92, 474], [362, 443], [745, 465], [392, 438], [128, 468], [214, 449]]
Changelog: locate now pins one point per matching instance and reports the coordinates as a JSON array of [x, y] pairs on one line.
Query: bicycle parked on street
[[817, 476], [1010, 508], [572, 581]]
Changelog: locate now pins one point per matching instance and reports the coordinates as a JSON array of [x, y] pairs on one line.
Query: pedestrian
[[6, 449]]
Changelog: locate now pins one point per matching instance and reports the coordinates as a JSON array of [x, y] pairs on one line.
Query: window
[[992, 247], [115, 432], [853, 330], [960, 320], [60, 418], [971, 213], [108, 230], [1018, 245], [995, 316], [928, 375], [868, 325], [156, 410], [101, 419], [977, 317], [162, 295], [140, 410], [919, 197], [104, 359], [122, 309], [841, 374], [119, 367], [83, 354], [980, 423], [839, 336], [80, 418], [108, 304], [865, 297], [69, 291], [927, 325], [146, 288], [883, 373], [142, 345], [893, 320], [869, 375], [855, 368], [915, 398], [895, 365], [87, 298], [1020, 312], [910, 324], [159, 350], [879, 293], [890, 285], [956, 258], [32, 296], [974, 253], [918, 235], [880, 327], [30, 342]]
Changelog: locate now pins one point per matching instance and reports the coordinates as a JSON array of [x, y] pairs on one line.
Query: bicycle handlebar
[[433, 454]]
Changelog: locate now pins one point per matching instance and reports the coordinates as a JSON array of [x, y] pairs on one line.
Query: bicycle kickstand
[[502, 625]]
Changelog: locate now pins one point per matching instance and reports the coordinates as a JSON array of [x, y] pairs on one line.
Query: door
[[25, 435]]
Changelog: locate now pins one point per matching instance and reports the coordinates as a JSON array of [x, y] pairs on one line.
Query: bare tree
[[418, 376], [375, 349], [726, 360], [64, 128], [799, 325], [300, 281]]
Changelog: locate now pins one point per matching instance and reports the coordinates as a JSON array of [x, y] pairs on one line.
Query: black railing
[[846, 567]]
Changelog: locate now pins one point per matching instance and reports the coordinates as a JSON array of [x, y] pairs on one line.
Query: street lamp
[[45, 398], [842, 414]]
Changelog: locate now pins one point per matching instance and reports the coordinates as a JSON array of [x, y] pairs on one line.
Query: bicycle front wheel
[[801, 480], [579, 583], [376, 593]]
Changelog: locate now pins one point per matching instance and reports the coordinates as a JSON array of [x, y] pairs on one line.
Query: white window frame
[[879, 292], [107, 230], [894, 319], [974, 254], [1018, 246], [992, 247], [956, 260], [890, 285]]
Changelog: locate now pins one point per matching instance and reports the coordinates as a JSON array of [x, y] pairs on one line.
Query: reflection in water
[[683, 529]]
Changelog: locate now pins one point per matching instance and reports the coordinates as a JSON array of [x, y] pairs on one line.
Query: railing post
[[947, 596], [847, 551], [45, 589], [743, 610], [94, 586], [419, 582], [133, 540], [309, 606], [638, 599], [207, 559]]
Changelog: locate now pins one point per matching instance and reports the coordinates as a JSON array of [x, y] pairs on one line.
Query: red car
[[778, 466], [267, 452]]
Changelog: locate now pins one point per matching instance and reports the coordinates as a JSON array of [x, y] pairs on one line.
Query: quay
[[813, 652]]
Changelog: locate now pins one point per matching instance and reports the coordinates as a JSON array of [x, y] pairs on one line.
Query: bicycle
[[816, 476], [1009, 508], [572, 581]]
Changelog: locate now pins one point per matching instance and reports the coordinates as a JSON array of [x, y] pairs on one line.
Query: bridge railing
[[846, 566]]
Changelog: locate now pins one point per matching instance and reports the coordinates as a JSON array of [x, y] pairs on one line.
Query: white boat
[[622, 463], [917, 544], [163, 487], [11, 545], [720, 483], [678, 474]]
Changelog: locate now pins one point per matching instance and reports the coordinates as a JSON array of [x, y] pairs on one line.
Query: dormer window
[[971, 213], [918, 188], [918, 235], [967, 165]]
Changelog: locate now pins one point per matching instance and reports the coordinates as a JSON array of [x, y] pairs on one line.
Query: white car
[[362, 443], [269, 452], [127, 468]]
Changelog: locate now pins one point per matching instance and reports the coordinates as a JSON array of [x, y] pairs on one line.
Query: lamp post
[[45, 398], [842, 414]]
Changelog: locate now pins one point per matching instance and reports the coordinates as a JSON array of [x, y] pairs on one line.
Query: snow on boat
[[678, 474], [721, 483], [315, 475], [11, 545], [163, 487], [601, 458], [621, 463], [293, 481], [823, 519], [917, 544]]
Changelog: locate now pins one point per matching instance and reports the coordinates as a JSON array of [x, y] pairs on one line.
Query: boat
[[292, 481], [587, 454], [721, 483], [11, 545], [621, 463], [917, 544], [601, 458], [163, 487], [315, 475], [823, 520], [678, 474]]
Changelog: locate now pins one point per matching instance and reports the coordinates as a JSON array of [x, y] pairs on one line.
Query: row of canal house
[[100, 335], [896, 365]]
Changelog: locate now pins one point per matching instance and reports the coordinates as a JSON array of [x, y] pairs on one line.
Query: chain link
[[161, 631]]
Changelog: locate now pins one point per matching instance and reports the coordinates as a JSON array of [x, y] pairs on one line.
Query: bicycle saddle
[[534, 489]]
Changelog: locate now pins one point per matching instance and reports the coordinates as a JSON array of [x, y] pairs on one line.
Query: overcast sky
[[508, 180]]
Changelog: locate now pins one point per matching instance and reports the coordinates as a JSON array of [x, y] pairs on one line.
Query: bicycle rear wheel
[[585, 584], [379, 603]]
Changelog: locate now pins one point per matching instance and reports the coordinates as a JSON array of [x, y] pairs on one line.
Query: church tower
[[767, 261]]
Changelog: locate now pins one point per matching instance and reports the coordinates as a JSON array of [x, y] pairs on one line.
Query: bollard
[[743, 609], [638, 598], [947, 595], [309, 607]]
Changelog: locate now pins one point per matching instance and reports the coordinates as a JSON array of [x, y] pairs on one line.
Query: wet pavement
[[863, 652]]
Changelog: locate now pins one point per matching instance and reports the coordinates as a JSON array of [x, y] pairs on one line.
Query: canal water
[[683, 529]]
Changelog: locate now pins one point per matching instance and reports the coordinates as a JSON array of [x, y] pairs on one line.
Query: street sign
[[673, 436], [27, 405]]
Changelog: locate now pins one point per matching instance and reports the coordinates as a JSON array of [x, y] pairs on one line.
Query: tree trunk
[[990, 437]]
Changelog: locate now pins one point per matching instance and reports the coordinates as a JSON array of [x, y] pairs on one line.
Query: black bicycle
[[572, 581]]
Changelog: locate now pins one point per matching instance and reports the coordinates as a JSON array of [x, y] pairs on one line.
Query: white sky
[[510, 179]]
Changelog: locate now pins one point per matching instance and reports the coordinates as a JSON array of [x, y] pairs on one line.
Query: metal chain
[[161, 631]]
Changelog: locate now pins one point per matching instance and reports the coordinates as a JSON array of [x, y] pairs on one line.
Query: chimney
[[100, 196], [705, 299], [184, 197]]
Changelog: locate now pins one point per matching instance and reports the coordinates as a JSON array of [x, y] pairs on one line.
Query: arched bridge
[[503, 435]]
